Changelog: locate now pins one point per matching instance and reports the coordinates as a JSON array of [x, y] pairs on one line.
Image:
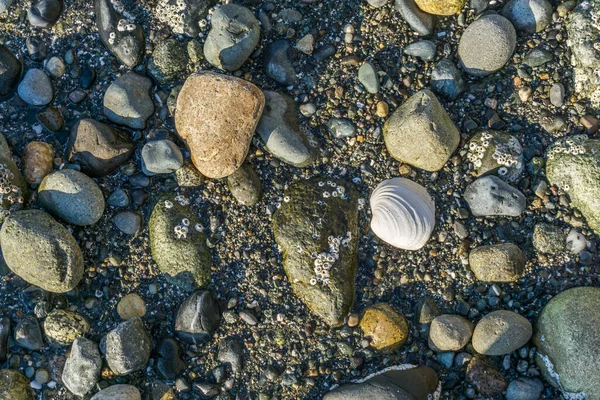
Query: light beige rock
[[216, 116], [501, 332], [37, 159], [449, 332], [131, 306]]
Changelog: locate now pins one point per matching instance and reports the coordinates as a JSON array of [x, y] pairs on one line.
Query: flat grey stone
[[161, 157], [367, 75], [36, 89], [127, 100], [490, 195]]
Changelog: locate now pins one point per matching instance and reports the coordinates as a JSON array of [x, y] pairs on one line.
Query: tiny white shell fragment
[[403, 213]]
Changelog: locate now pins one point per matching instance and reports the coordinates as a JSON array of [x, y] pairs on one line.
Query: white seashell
[[403, 213]]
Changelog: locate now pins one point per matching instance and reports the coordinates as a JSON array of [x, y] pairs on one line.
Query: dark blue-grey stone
[[44, 13], [447, 80], [419, 21], [277, 63], [341, 128], [423, 49]]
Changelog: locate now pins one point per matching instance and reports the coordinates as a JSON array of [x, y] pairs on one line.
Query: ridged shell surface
[[403, 213]]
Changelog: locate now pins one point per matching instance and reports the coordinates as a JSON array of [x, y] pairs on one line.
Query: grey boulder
[[72, 196], [198, 317], [36, 88], [127, 100], [128, 347], [501, 332], [233, 36], [490, 196], [83, 366], [279, 130], [161, 157]]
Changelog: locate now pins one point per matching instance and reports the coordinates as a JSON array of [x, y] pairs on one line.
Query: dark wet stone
[[170, 363], [44, 13], [447, 80], [128, 43], [36, 48], [87, 77], [277, 63], [537, 57], [28, 333], [324, 52], [51, 119], [485, 376], [4, 334], [198, 317]]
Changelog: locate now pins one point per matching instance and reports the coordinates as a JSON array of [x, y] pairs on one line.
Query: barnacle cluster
[[573, 145], [11, 196], [182, 200], [508, 155], [181, 230], [125, 26], [324, 261], [171, 13], [119, 8], [336, 191]]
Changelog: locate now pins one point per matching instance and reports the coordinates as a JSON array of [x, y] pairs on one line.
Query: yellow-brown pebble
[[62, 327], [37, 159], [382, 109], [387, 329], [131, 306], [441, 7]]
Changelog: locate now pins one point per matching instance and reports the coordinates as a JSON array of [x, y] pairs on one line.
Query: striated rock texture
[[317, 229], [573, 164], [584, 34], [41, 251], [216, 117]]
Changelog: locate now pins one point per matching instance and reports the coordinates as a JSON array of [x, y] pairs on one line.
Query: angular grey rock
[[121, 36], [98, 148], [421, 133], [178, 248], [127, 100], [315, 228], [367, 75], [198, 317], [10, 72], [490, 195], [279, 130], [245, 185], [118, 392], [72, 196], [557, 94], [128, 347], [83, 366], [583, 33], [524, 388], [548, 238], [277, 62], [423, 49], [161, 157], [41, 251], [402, 382], [537, 57], [503, 262], [234, 34], [528, 15], [567, 340], [36, 89], [28, 333], [419, 21], [573, 164], [44, 13], [487, 45], [501, 332], [447, 80]]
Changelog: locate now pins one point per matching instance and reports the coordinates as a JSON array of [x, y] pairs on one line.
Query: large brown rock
[[98, 148], [216, 116]]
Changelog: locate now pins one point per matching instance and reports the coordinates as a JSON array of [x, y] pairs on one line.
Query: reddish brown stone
[[589, 123], [37, 160], [216, 117], [486, 377]]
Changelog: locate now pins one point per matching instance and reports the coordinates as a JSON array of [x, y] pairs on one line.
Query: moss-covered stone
[[168, 62], [567, 338], [317, 229], [14, 386], [573, 164], [178, 248]]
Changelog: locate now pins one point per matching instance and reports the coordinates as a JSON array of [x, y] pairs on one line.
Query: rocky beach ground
[[299, 199]]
